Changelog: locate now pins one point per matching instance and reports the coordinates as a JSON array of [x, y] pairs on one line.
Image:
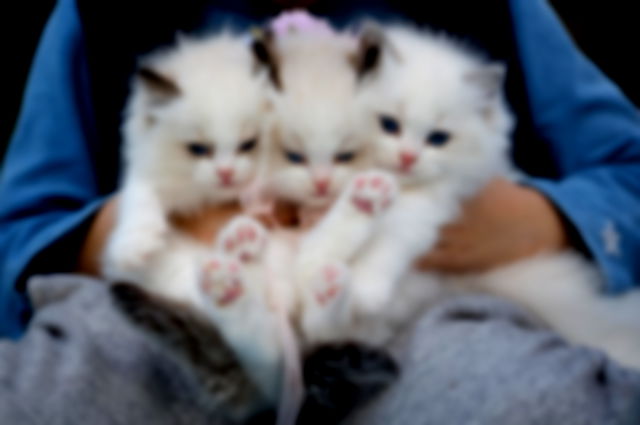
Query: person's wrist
[[550, 233], [90, 257]]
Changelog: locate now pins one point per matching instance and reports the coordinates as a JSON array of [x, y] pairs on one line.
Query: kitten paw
[[373, 192], [330, 283], [243, 238], [221, 281]]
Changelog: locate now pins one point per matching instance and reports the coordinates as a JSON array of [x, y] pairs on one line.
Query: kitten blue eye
[[389, 124], [199, 149], [248, 145], [438, 138], [295, 157], [345, 157]]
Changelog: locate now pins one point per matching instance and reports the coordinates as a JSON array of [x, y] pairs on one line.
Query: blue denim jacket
[[49, 190]]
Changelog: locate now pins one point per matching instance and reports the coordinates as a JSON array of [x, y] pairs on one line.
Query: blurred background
[[608, 32]]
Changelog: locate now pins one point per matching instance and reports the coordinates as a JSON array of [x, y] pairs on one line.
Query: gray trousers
[[471, 360]]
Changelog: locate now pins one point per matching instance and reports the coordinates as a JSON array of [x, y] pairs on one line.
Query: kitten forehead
[[434, 68], [318, 105], [222, 98]]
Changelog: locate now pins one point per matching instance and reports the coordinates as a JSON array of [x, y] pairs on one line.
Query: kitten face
[[196, 119], [440, 113], [423, 140], [319, 136], [204, 150], [312, 158]]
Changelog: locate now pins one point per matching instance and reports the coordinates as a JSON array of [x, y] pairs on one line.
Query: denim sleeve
[[593, 132], [48, 190]]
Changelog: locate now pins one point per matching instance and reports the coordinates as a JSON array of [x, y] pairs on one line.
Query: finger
[[436, 259], [449, 261]]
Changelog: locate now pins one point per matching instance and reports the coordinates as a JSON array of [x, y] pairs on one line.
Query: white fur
[[565, 291], [220, 104]]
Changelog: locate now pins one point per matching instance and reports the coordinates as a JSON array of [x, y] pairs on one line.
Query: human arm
[[48, 188]]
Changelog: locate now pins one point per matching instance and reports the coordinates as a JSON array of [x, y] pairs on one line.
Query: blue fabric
[[49, 190]]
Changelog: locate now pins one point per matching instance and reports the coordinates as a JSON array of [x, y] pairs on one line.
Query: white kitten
[[320, 136], [193, 138], [420, 97], [445, 134]]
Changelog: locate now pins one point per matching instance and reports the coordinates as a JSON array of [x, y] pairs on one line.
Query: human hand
[[505, 222]]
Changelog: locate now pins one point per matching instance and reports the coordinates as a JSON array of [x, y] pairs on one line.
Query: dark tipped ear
[[489, 79], [161, 87], [370, 49], [265, 54]]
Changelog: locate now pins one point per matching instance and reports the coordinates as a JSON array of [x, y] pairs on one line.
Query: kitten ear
[[489, 79], [161, 88], [265, 54], [372, 46]]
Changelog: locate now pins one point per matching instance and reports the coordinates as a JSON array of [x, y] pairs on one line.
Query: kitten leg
[[324, 313], [410, 228], [349, 223], [233, 297], [378, 272], [244, 238], [141, 231], [222, 281]]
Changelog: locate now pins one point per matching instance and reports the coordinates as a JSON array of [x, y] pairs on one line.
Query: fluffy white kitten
[[445, 133], [193, 138], [319, 136], [422, 94]]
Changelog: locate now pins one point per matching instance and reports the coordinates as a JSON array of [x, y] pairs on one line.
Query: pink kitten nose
[[322, 186], [407, 159], [225, 175]]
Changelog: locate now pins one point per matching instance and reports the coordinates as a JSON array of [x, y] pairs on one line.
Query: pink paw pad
[[373, 192], [222, 282], [243, 239], [330, 284]]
